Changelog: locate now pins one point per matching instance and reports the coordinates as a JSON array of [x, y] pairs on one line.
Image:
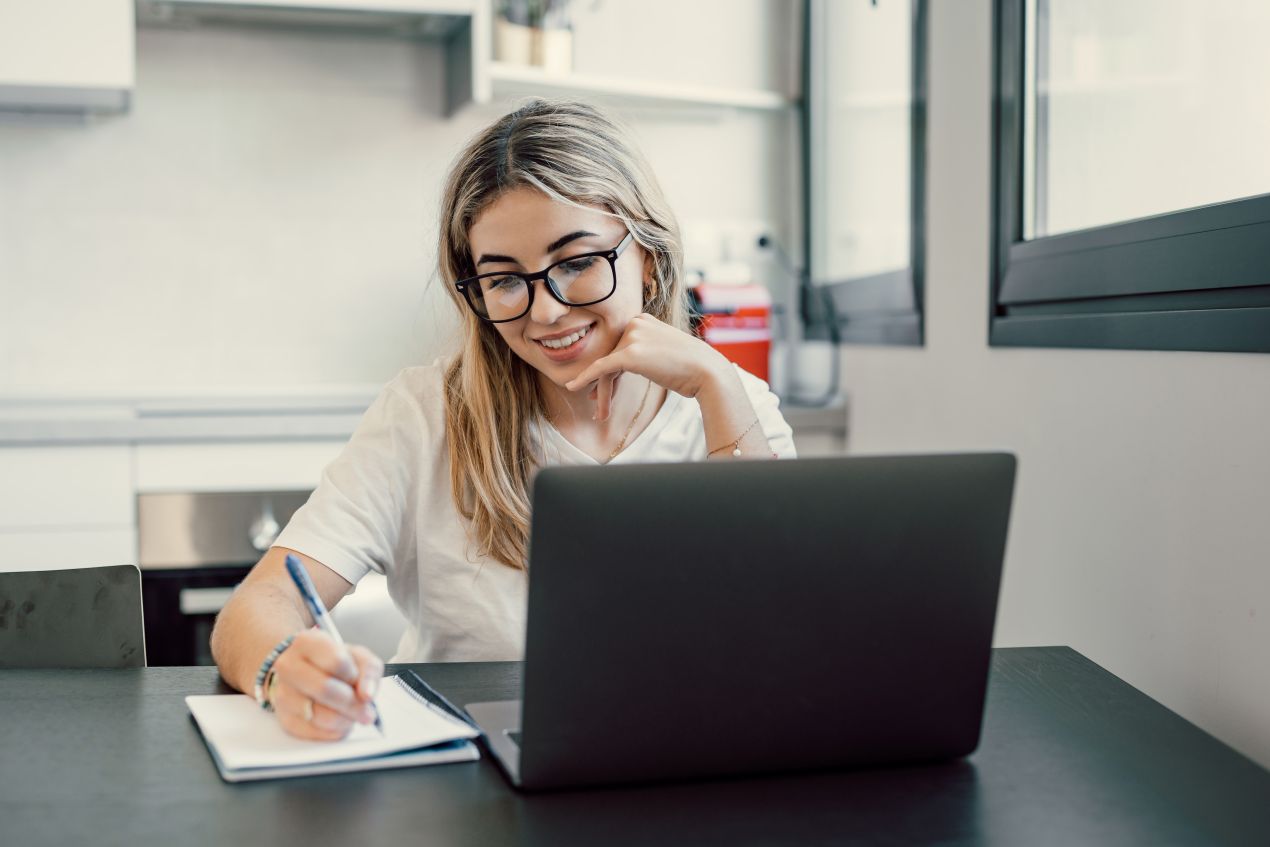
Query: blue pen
[[320, 615]]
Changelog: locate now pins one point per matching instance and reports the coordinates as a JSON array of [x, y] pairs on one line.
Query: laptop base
[[498, 720]]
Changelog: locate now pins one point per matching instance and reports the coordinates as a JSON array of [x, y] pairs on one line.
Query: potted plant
[[534, 32]]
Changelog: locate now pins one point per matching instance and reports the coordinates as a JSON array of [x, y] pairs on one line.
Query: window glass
[[1136, 108], [863, 142]]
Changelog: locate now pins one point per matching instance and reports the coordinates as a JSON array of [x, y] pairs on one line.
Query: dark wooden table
[[1070, 756]]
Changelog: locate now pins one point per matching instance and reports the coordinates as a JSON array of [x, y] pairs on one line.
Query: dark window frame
[[884, 308], [1196, 279]]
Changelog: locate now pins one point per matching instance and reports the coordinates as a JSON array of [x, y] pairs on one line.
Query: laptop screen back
[[739, 617]]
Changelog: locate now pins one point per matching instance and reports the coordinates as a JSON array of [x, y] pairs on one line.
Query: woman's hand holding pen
[[320, 688]]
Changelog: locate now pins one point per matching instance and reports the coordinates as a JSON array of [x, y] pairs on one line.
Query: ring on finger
[[271, 689]]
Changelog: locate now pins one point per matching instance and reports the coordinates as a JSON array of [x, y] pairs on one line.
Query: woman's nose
[[546, 309]]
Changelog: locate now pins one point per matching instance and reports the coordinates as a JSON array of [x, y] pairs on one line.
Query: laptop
[[723, 618]]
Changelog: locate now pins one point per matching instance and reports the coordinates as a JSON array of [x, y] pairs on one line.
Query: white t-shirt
[[384, 504]]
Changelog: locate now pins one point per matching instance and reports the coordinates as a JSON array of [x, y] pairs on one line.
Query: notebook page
[[245, 736]]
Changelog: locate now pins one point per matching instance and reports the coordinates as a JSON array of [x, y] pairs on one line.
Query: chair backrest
[[76, 618]]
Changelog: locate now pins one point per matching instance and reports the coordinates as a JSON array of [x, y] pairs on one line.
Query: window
[[865, 133], [1132, 204]]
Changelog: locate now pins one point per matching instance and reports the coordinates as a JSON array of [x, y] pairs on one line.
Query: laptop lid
[[740, 617]]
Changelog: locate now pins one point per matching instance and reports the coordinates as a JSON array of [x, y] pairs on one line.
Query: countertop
[[35, 420]]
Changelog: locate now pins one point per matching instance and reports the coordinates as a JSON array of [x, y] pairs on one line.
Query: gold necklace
[[618, 449]]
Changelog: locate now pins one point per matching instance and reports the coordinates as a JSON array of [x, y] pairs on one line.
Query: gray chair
[[77, 618]]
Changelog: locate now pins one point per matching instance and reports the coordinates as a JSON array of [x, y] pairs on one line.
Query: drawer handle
[[204, 601]]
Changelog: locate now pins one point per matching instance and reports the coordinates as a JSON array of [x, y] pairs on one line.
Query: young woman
[[562, 256]]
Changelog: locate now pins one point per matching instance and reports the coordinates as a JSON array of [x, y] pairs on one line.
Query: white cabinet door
[[66, 55], [54, 550], [242, 466], [66, 487]]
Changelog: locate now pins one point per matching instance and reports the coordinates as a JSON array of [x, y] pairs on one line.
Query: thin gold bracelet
[[735, 445]]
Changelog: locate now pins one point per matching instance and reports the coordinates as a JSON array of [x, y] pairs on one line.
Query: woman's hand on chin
[[659, 352]]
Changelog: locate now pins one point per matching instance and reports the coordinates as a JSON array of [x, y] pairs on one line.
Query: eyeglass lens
[[578, 281]]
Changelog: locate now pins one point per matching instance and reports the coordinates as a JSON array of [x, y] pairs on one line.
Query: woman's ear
[[650, 277]]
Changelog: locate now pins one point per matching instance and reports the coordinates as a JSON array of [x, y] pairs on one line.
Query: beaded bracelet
[[265, 667]]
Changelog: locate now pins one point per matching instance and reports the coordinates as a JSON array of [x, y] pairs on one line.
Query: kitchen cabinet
[[240, 466], [55, 549], [460, 26], [75, 505], [63, 507], [66, 55], [86, 487], [79, 466]]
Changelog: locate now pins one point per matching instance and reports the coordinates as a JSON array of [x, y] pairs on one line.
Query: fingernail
[[367, 715], [335, 689]]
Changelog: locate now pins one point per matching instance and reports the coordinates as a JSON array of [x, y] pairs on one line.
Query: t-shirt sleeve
[[357, 519], [780, 435]]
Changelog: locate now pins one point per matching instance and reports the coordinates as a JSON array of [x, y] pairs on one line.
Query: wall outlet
[[713, 241]]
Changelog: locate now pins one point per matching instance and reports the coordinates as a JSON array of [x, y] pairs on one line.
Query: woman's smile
[[569, 340]]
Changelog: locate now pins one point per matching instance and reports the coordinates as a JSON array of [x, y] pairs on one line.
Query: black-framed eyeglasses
[[582, 280]]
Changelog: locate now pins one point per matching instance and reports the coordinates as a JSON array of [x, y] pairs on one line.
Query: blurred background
[[933, 225]]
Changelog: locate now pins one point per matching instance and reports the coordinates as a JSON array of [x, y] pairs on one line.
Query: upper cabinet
[[79, 55], [460, 26], [66, 55]]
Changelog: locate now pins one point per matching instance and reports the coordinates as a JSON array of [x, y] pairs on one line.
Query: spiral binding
[[419, 697]]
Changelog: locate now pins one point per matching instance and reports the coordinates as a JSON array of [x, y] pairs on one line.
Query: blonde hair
[[575, 154]]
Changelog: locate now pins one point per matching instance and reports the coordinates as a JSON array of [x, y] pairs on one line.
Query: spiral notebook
[[248, 743]]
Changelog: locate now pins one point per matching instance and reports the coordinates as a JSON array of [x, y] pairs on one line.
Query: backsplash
[[265, 214]]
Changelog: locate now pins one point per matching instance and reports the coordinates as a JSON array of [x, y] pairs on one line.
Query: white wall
[[266, 213], [1141, 531]]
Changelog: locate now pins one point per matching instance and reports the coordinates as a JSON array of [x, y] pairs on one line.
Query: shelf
[[409, 18], [463, 26], [509, 80]]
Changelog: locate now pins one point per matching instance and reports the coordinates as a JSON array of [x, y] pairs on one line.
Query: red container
[[736, 321]]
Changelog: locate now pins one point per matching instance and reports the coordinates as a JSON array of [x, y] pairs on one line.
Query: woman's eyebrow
[[494, 257], [551, 248], [565, 239]]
